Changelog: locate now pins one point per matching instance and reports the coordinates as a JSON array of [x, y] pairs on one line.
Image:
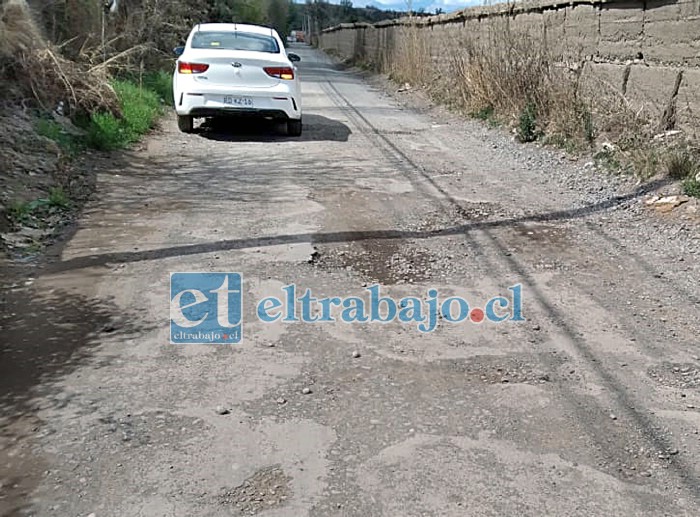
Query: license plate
[[238, 102]]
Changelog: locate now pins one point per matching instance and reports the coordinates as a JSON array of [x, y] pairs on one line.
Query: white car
[[228, 69]]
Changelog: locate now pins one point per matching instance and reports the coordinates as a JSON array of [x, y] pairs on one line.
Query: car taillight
[[284, 72], [192, 68]]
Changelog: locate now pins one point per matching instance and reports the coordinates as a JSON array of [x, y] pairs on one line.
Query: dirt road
[[590, 407]]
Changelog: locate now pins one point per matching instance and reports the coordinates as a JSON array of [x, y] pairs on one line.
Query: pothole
[[498, 370], [379, 261], [267, 488], [676, 375]]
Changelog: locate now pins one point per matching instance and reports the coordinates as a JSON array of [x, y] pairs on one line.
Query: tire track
[[595, 420]]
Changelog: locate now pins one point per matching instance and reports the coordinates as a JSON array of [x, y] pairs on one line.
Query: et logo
[[206, 308]]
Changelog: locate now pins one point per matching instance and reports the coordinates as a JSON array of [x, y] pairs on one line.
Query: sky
[[428, 5]]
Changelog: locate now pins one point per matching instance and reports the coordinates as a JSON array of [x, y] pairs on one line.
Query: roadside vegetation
[[83, 75], [513, 80], [140, 107]]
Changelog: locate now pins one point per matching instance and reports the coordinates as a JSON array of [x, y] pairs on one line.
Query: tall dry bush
[[34, 68], [410, 60], [67, 50], [138, 32], [73, 24], [156, 24], [18, 31], [627, 132], [514, 75]]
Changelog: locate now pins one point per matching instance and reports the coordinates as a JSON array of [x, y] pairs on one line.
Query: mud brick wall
[[647, 50]]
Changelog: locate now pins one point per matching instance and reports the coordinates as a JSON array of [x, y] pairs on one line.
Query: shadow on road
[[44, 338], [317, 128], [344, 237]]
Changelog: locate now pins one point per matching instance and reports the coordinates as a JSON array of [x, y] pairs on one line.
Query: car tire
[[185, 123], [294, 127]]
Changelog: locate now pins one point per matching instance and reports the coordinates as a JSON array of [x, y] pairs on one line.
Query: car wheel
[[185, 123], [294, 127]]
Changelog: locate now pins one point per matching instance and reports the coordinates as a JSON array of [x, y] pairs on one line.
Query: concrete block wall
[[648, 50]]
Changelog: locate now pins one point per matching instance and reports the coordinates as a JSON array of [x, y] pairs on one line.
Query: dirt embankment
[[38, 189], [61, 63], [41, 188]]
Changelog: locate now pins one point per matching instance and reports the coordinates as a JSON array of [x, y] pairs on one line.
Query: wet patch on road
[[539, 234]]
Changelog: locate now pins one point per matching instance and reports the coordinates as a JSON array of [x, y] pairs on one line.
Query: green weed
[[140, 109], [691, 187], [161, 83], [51, 129], [527, 124], [608, 158], [58, 198]]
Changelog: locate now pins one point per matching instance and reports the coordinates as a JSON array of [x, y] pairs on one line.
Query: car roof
[[231, 27]]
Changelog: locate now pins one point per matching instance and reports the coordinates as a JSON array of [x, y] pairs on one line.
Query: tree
[[278, 16], [240, 11], [295, 19]]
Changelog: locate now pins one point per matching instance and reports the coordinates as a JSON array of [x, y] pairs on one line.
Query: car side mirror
[[294, 58], [178, 51]]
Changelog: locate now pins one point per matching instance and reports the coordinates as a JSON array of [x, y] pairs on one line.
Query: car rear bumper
[[282, 105], [203, 112]]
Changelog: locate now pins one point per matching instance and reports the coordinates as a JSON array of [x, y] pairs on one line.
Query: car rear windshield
[[235, 41]]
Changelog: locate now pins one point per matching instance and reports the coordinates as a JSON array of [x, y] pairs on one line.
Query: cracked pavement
[[590, 407]]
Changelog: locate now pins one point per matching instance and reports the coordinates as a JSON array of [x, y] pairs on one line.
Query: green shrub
[[162, 83], [23, 212], [691, 187], [485, 113], [19, 211], [527, 123], [608, 158], [140, 109], [58, 198], [105, 132], [51, 129], [589, 130]]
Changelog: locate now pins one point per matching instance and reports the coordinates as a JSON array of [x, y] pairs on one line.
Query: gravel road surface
[[590, 407]]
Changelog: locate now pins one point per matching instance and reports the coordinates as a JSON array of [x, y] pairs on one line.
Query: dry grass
[[66, 51], [38, 69], [683, 162], [411, 61], [500, 75], [18, 30], [514, 76], [53, 78]]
